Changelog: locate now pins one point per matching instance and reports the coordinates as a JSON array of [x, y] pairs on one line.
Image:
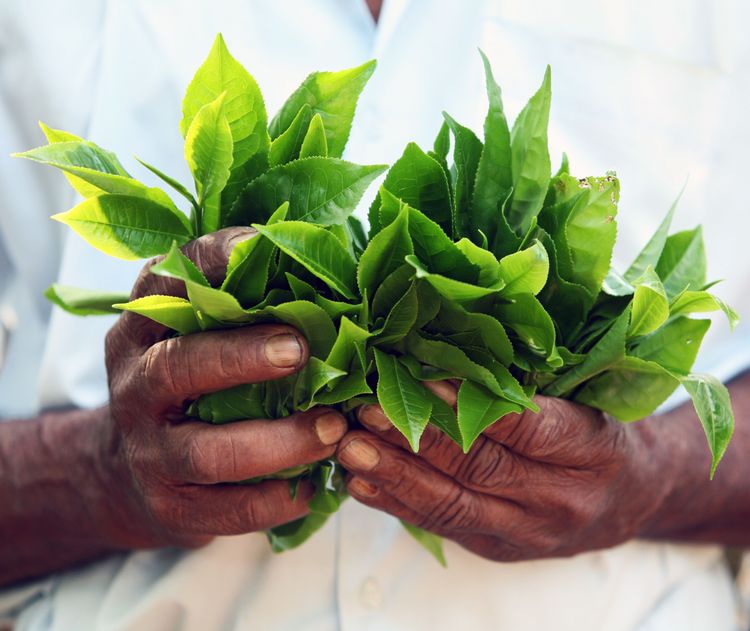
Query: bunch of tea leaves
[[489, 271]]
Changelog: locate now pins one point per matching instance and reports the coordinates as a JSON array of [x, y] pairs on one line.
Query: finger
[[201, 453], [488, 467], [180, 369], [561, 433], [446, 390], [488, 546], [445, 505], [210, 253], [236, 510], [434, 446]]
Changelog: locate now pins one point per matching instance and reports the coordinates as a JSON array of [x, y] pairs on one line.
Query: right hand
[[166, 473]]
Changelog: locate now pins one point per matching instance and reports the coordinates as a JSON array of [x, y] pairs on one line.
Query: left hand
[[552, 484]]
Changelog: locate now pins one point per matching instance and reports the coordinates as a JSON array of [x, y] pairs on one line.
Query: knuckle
[[199, 462], [453, 512], [486, 468], [162, 363]]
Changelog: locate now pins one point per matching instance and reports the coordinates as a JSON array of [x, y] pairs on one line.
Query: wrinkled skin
[[551, 484], [139, 474], [169, 466]]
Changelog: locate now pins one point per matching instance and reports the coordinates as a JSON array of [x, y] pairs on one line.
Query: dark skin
[[136, 473], [75, 486], [560, 482]]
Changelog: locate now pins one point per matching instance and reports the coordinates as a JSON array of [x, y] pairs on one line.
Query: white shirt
[[656, 90]]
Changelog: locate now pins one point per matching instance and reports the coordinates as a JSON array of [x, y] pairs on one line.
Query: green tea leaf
[[244, 110], [418, 180], [650, 304], [385, 253], [675, 345], [702, 302], [318, 250], [714, 408], [629, 390], [478, 408], [286, 147], [530, 161], [176, 265], [449, 288], [467, 149], [208, 149], [429, 541], [528, 319], [609, 351], [214, 307], [319, 190], [57, 135], [85, 302], [524, 272], [171, 181], [171, 311], [401, 318], [402, 398], [332, 95], [682, 264], [391, 289], [494, 179], [314, 143], [489, 266], [126, 227], [651, 253]]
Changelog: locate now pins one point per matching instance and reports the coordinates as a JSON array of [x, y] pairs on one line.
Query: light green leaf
[[494, 179], [334, 96], [607, 352], [682, 264], [247, 270], [629, 390], [418, 180], [385, 253], [467, 149], [319, 190], [525, 272], [429, 541], [214, 306], [526, 316], [650, 304], [244, 110], [489, 266], [478, 408], [126, 227], [84, 302], [714, 408], [208, 149], [651, 253], [314, 143], [177, 265], [702, 302], [57, 135], [530, 161], [171, 181], [452, 289], [318, 250], [286, 147], [402, 398], [675, 345], [171, 311], [401, 318]]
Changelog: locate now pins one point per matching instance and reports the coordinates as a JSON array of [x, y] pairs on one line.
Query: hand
[[165, 472], [551, 484]]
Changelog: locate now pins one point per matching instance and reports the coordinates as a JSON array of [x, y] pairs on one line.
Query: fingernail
[[283, 351], [358, 486], [360, 454], [330, 428], [444, 390], [374, 418]]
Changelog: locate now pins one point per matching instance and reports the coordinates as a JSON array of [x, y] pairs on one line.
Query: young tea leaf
[[85, 302], [314, 143], [173, 312]]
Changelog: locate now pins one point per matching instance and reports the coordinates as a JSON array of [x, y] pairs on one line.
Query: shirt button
[[371, 594]]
